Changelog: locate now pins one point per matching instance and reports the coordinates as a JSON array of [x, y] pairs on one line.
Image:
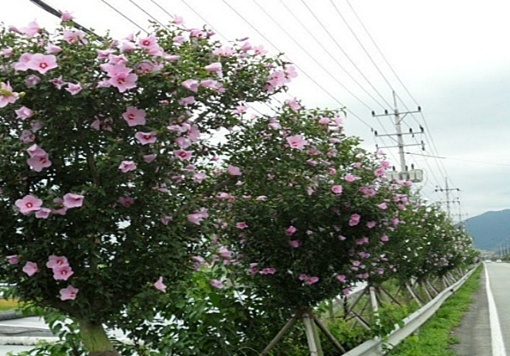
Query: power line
[[297, 66], [319, 42], [124, 16], [51, 10], [307, 53], [343, 51]]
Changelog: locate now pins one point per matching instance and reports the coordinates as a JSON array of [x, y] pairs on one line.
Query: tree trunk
[[95, 339]]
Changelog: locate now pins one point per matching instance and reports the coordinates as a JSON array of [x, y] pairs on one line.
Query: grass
[[8, 304], [435, 336]]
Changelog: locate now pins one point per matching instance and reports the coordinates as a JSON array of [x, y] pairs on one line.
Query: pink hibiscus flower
[[159, 285], [134, 116], [297, 142], [69, 293], [30, 268], [28, 204]]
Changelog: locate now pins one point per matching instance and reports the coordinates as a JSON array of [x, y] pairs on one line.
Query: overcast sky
[[451, 57]]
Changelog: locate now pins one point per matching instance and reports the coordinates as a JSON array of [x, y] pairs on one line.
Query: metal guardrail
[[411, 323]]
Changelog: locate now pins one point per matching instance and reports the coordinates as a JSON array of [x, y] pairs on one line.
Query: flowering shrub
[[428, 244], [308, 210], [103, 156]]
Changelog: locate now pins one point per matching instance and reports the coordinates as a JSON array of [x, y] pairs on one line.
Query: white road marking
[[498, 346]]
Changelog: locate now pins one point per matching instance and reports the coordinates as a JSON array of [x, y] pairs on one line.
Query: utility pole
[[398, 117], [447, 191]]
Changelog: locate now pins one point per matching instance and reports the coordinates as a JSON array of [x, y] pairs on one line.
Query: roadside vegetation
[[435, 337], [8, 304]]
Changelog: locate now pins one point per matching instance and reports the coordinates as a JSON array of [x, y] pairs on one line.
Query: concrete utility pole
[[404, 173], [447, 191]]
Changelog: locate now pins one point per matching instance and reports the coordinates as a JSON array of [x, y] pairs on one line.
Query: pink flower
[[294, 243], [350, 177], [225, 252], [53, 48], [293, 104], [178, 20], [27, 136], [149, 42], [159, 285], [22, 63], [385, 164], [216, 283], [183, 155], [73, 200], [74, 36], [6, 52], [199, 177], [58, 82], [242, 225], [43, 213], [337, 189], [120, 76], [62, 273], [32, 80], [134, 116], [380, 172], [268, 270], [240, 109], [234, 171], [191, 84], [74, 88], [183, 142], [38, 163], [123, 81], [354, 220], [13, 259], [57, 261], [61, 208], [66, 16], [127, 166], [146, 138], [371, 224], [213, 67], [23, 113], [308, 280], [42, 62], [297, 142], [197, 217], [31, 30], [28, 204], [149, 158], [68, 293], [187, 100], [367, 192], [290, 231], [30, 268], [385, 238], [7, 96], [382, 206], [342, 278], [324, 120]]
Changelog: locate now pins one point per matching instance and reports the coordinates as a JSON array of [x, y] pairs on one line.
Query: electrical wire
[[343, 51]]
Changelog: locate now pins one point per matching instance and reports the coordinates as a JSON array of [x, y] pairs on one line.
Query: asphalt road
[[485, 328], [499, 276]]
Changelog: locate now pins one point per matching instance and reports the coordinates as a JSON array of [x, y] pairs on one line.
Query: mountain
[[490, 230]]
